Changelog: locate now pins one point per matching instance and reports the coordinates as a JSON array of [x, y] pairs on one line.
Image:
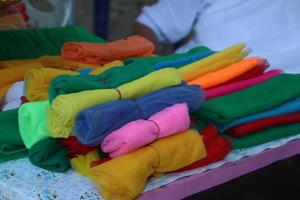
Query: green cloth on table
[[11, 144], [36, 42], [33, 122], [255, 99], [112, 78], [264, 136], [49, 154]]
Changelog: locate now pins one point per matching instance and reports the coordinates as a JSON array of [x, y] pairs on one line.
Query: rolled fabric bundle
[[37, 82], [64, 108], [74, 147], [33, 43], [94, 124], [15, 63], [33, 122], [111, 78], [238, 86], [252, 100], [283, 109], [265, 136], [49, 155], [11, 144], [107, 66], [138, 133], [213, 62], [261, 124], [125, 177], [223, 75], [82, 163], [96, 53]]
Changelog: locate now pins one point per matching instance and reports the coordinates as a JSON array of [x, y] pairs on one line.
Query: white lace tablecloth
[[20, 180]]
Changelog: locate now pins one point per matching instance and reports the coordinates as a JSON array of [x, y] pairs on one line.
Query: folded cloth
[[255, 99], [32, 43], [159, 61], [49, 155], [138, 133], [82, 163], [64, 108], [217, 147], [94, 124], [15, 92], [125, 177], [11, 105], [37, 82], [103, 68], [96, 53], [33, 122], [111, 78], [254, 126], [223, 75], [74, 147], [237, 86], [286, 108], [85, 71], [213, 62], [11, 144], [265, 135]]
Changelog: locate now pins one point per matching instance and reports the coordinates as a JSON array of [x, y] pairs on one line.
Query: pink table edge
[[199, 182]]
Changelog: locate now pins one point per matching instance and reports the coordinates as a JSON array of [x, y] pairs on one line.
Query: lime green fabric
[[32, 43], [264, 136], [11, 144], [64, 108], [258, 98], [48, 154], [112, 78], [33, 122]]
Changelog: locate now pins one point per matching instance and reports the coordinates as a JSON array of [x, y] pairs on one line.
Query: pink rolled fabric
[[237, 86], [136, 134]]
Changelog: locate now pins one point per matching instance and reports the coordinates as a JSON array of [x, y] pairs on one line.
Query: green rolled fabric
[[155, 59], [64, 108], [264, 136], [33, 123], [49, 154], [11, 144], [255, 99], [32, 43], [112, 78]]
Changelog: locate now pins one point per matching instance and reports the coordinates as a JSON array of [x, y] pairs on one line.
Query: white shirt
[[271, 28]]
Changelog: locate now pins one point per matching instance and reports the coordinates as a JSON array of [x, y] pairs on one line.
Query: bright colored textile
[[139, 133], [64, 108], [103, 68], [74, 147], [94, 124], [125, 177], [82, 163], [96, 53]]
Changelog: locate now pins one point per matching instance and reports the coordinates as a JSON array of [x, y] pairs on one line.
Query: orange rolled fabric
[[101, 53], [223, 75]]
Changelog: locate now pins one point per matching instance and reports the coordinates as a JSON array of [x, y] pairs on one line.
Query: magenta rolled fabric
[[237, 86], [138, 133]]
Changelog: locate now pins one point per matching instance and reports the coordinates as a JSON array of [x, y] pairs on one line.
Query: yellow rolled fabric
[[103, 68], [226, 56], [37, 82], [15, 63], [82, 163], [64, 108], [125, 177]]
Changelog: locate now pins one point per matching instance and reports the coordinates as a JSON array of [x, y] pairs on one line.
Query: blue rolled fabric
[[181, 61], [94, 124], [286, 108]]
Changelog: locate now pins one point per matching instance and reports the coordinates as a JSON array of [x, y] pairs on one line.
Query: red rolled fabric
[[75, 148], [101, 53], [217, 147], [257, 125]]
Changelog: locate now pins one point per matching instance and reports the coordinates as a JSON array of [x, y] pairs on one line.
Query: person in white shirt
[[271, 28]]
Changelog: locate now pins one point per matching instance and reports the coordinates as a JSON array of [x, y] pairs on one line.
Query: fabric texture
[[33, 122], [97, 53], [103, 68], [11, 144], [49, 155], [125, 177], [94, 124], [139, 133], [74, 147], [64, 108]]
